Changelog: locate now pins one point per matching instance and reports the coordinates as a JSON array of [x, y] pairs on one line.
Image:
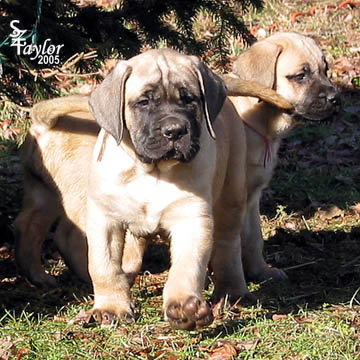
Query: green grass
[[252, 333], [316, 315]]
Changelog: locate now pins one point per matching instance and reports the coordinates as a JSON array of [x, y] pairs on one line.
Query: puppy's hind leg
[[256, 268], [134, 249], [72, 244], [39, 211], [71, 241], [226, 262]]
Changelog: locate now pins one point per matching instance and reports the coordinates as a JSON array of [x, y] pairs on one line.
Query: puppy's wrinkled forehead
[[300, 50], [165, 71]]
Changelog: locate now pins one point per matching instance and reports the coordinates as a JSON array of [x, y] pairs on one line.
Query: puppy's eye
[[303, 74], [187, 99], [143, 102], [299, 77]]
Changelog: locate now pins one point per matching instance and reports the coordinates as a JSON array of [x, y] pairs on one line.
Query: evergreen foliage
[[122, 31]]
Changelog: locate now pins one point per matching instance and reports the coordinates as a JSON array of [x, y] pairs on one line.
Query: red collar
[[267, 155]]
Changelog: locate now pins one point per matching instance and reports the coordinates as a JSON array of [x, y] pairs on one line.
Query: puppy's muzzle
[[322, 106], [173, 129]]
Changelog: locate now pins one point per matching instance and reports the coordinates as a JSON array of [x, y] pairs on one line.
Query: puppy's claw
[[106, 317], [193, 313]]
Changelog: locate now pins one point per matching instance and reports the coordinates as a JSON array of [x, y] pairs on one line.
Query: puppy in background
[[56, 158], [295, 67]]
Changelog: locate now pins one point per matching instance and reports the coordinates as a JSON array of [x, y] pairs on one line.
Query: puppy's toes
[[268, 273], [43, 280], [278, 274], [191, 314], [107, 317], [198, 310]]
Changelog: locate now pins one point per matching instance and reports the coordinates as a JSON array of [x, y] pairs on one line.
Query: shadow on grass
[[17, 295], [323, 268]]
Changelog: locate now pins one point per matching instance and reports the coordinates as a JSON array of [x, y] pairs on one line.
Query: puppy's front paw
[[107, 317], [192, 313]]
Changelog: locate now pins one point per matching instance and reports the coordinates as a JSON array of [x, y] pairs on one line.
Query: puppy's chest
[[140, 202], [261, 161]]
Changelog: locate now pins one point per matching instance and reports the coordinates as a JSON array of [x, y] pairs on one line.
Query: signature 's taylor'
[[45, 53]]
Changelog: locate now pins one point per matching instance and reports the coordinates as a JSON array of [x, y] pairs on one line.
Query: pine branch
[[122, 32]]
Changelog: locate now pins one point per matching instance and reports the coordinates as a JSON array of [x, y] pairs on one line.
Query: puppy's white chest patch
[[143, 201], [132, 197]]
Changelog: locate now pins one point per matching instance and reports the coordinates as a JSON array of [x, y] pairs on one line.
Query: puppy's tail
[[47, 112], [240, 87]]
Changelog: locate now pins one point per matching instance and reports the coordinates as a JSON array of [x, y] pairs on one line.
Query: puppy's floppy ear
[[107, 101], [213, 93], [258, 63]]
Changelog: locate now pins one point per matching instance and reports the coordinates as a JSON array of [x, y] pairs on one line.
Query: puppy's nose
[[173, 129], [334, 99]]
